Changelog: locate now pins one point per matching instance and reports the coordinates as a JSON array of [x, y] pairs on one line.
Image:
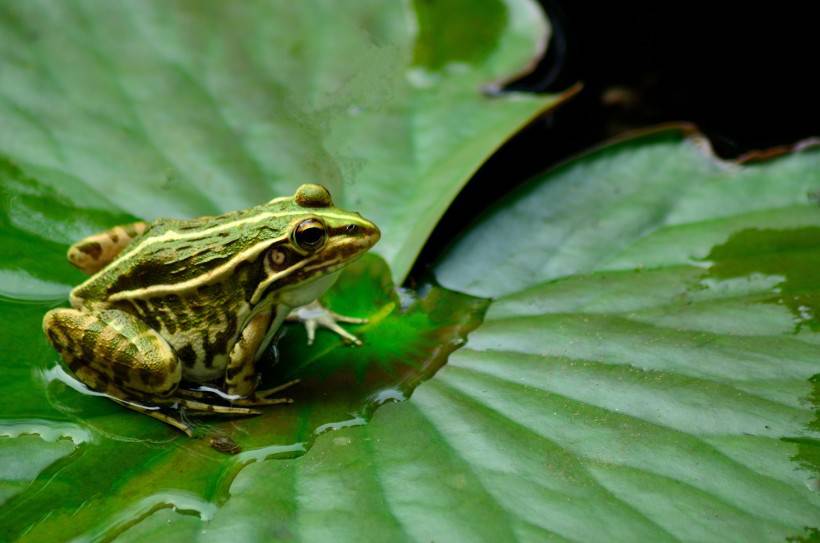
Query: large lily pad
[[654, 343], [188, 108], [647, 372], [662, 390]]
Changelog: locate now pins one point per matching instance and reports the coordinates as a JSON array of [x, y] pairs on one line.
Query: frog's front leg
[[315, 314], [93, 253], [240, 374], [113, 352]]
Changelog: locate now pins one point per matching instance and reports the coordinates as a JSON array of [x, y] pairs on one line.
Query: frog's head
[[317, 240]]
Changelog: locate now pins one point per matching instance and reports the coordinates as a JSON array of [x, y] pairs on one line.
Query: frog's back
[[176, 252]]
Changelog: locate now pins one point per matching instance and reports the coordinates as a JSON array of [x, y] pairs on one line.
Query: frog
[[177, 313]]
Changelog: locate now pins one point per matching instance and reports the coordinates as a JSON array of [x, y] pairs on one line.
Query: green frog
[[173, 305]]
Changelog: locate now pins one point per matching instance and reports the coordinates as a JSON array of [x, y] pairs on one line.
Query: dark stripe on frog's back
[[211, 306], [186, 259]]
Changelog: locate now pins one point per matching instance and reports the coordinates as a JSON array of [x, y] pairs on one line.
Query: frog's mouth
[[340, 252]]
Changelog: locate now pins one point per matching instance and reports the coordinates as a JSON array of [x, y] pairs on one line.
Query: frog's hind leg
[[115, 353], [101, 383], [121, 349], [93, 253], [157, 414]]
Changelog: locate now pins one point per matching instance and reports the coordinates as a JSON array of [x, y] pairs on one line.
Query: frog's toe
[[331, 325], [261, 402], [262, 398], [344, 318], [268, 392], [315, 315], [202, 408]]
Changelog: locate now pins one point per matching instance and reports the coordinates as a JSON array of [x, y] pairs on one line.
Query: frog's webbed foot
[[95, 252], [314, 315]]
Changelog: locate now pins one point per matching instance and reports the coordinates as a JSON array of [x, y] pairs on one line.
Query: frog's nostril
[[352, 229]]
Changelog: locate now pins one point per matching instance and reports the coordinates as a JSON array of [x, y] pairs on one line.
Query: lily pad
[[647, 371], [663, 388], [182, 108], [653, 341], [76, 464]]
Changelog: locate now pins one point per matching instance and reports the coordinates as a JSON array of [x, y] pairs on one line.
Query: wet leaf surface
[[662, 389], [651, 354]]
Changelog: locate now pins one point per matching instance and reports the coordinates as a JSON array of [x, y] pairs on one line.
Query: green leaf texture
[[659, 389], [185, 108], [648, 370]]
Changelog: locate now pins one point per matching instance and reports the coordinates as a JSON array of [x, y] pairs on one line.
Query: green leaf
[[180, 108], [74, 464], [649, 367], [645, 373]]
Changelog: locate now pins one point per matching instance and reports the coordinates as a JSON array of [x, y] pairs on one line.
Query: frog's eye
[[310, 234]]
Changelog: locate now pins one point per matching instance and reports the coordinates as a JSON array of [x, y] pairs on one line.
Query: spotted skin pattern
[[115, 351], [95, 252]]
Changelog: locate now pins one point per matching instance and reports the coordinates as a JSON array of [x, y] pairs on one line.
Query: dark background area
[[746, 76]]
